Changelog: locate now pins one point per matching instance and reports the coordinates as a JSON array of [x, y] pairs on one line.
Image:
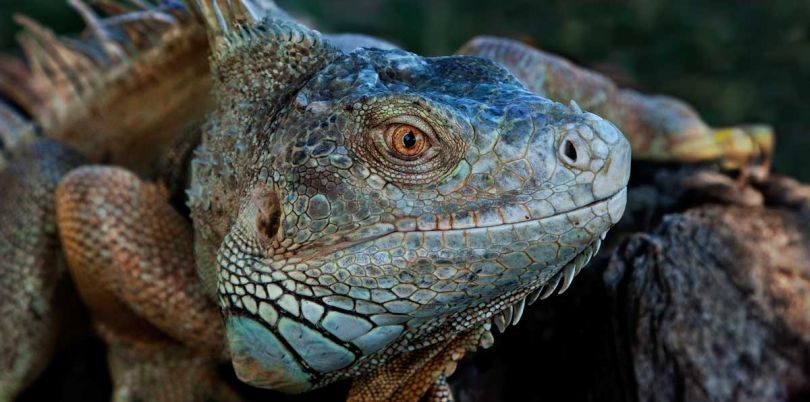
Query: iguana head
[[363, 205]]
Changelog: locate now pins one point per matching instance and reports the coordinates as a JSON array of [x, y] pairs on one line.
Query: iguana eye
[[410, 148], [406, 141]]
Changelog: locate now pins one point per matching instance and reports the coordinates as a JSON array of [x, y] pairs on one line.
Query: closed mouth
[[490, 218], [384, 229]]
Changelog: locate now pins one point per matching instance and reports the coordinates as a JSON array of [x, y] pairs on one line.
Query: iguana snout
[[596, 147]]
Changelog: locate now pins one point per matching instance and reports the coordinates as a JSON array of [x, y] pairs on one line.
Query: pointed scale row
[[62, 74], [512, 314]]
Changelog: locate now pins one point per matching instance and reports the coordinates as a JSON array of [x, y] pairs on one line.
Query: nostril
[[570, 151]]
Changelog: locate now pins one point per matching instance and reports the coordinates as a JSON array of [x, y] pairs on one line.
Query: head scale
[[361, 205]]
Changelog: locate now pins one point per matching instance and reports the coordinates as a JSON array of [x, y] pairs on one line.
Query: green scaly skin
[[330, 255], [334, 254]]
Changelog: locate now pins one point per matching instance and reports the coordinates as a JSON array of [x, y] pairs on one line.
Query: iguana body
[[358, 214]]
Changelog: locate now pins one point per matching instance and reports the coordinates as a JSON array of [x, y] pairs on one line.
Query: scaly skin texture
[[31, 266], [148, 267], [334, 253], [419, 375], [134, 270], [331, 254]]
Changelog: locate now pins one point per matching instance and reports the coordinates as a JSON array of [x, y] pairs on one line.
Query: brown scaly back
[[119, 92]]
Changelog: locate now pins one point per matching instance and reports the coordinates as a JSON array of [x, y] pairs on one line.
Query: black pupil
[[409, 140]]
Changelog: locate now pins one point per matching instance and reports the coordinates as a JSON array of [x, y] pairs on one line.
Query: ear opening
[[268, 216]]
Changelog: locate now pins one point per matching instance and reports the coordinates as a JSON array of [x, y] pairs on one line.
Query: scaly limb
[[164, 372], [31, 265], [131, 256], [416, 375]]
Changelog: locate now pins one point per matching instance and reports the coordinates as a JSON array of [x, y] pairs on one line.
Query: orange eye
[[407, 141]]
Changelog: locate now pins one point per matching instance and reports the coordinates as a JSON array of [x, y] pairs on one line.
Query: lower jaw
[[559, 282]]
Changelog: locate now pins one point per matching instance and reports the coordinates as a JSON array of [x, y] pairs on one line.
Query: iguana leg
[[31, 265], [412, 376], [130, 254]]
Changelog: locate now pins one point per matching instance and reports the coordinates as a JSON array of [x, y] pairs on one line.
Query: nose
[[597, 146], [575, 146]]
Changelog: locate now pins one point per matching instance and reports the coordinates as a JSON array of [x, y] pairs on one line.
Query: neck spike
[[257, 52]]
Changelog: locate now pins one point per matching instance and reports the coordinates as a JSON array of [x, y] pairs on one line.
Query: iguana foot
[[747, 149], [130, 254]]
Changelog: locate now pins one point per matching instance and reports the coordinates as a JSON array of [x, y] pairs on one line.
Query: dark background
[[735, 61]]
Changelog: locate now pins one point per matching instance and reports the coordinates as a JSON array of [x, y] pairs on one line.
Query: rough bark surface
[[714, 306]]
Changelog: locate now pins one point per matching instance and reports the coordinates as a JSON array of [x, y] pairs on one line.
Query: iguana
[[338, 209]]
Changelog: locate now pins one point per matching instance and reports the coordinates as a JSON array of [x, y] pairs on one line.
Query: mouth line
[[505, 222], [385, 229], [512, 311]]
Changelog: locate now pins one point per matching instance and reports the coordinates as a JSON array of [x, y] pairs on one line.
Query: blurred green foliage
[[736, 61]]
